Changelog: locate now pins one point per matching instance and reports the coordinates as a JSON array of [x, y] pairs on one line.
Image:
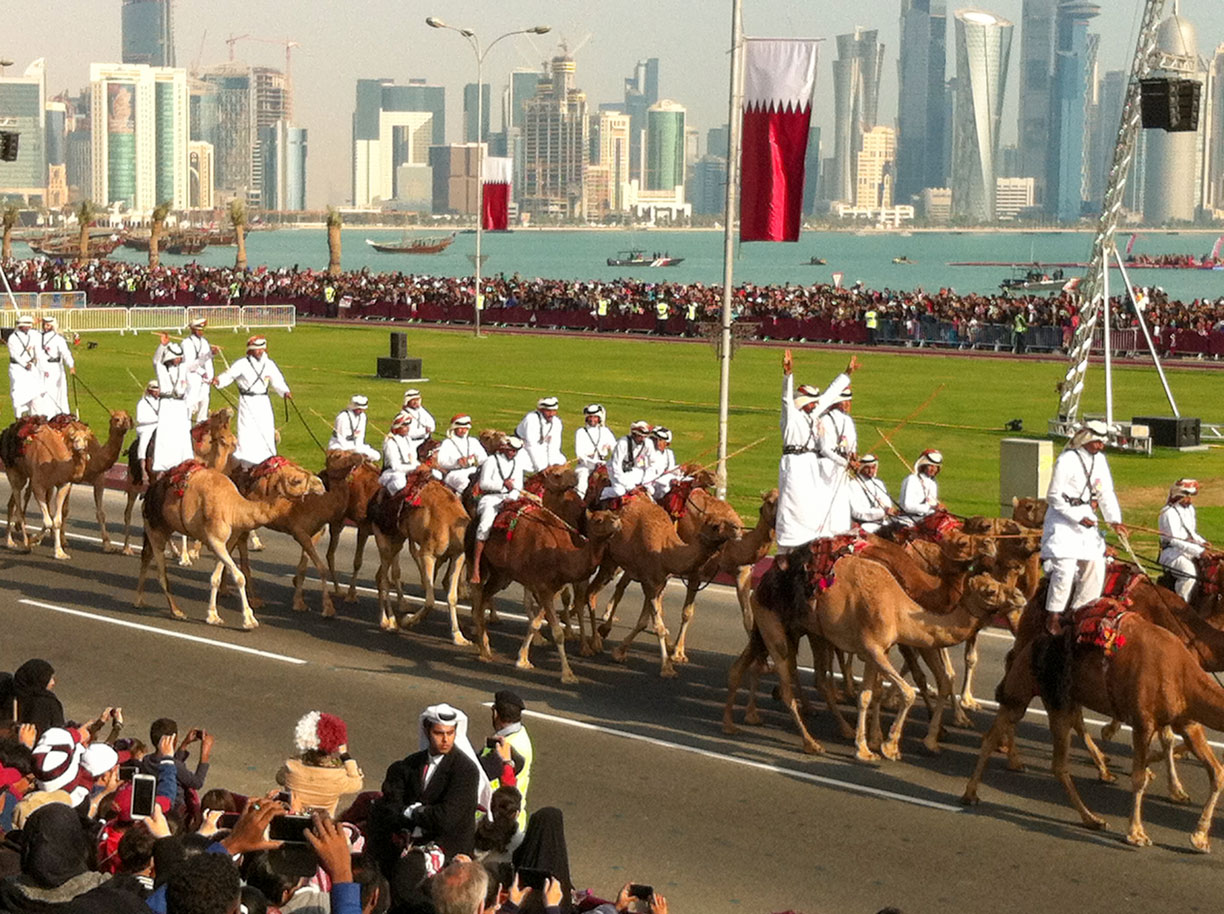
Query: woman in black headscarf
[[543, 848], [36, 703]]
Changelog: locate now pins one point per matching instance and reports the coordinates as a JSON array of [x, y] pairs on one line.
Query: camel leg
[[388, 558], [127, 521], [482, 596], [244, 562], [426, 563], [892, 746], [1177, 793], [157, 543], [221, 550], [747, 660], [945, 684], [598, 583], [454, 578], [1061, 725], [1140, 778], [862, 749], [779, 648], [618, 594], [99, 489], [743, 587], [309, 550], [57, 522], [967, 701], [43, 499], [363, 534], [845, 663], [824, 679], [1110, 729], [1197, 740], [1098, 757], [686, 618], [1004, 723], [621, 653], [184, 556]]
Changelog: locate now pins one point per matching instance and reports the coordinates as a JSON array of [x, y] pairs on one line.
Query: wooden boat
[[413, 245], [638, 258], [185, 244], [70, 246], [815, 261], [903, 260]]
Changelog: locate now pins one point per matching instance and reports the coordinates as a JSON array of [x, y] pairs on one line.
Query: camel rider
[[54, 354], [803, 506], [423, 422], [460, 455], [1072, 547], [593, 442], [25, 379], [349, 429], [173, 443], [836, 443], [146, 423], [663, 469], [630, 463], [399, 456], [255, 375], [1180, 543], [541, 434], [198, 354], [919, 490], [501, 480], [870, 504]]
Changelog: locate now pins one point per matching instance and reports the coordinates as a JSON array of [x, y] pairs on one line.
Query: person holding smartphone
[[176, 752]]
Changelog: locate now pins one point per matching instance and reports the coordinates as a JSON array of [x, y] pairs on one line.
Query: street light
[[435, 23]]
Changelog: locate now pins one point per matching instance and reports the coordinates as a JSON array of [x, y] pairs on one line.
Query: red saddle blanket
[[675, 502], [1207, 566], [1120, 579], [268, 467], [63, 421], [933, 527], [26, 427], [410, 494], [1100, 625], [616, 502], [178, 475], [508, 517], [823, 556]]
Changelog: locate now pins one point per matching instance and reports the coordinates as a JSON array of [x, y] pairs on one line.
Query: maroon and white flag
[[496, 173], [779, 79]]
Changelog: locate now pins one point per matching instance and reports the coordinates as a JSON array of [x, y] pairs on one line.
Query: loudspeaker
[[1185, 113], [1170, 104], [1172, 431], [399, 345], [399, 369]]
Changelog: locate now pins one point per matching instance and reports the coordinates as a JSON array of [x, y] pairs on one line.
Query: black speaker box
[[399, 345], [399, 369], [1172, 431]]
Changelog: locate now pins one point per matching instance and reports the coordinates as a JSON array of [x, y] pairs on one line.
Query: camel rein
[[297, 409], [76, 378]]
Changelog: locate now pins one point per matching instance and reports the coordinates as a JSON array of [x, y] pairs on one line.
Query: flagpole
[[733, 155]]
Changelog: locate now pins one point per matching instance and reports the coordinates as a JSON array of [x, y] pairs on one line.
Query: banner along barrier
[[26, 301], [62, 300]]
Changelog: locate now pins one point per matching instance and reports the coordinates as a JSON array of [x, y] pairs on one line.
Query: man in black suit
[[431, 796]]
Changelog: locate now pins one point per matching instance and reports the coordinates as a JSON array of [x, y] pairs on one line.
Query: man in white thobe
[[1072, 547], [55, 363], [25, 378], [836, 443], [460, 455], [631, 462], [1180, 543], [663, 469], [423, 422], [593, 442], [919, 490], [198, 357], [541, 434], [173, 443], [501, 480], [349, 429], [399, 456], [255, 375], [803, 503], [870, 504], [146, 424]]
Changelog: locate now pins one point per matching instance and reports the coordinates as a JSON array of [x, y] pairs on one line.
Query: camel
[[49, 462], [359, 478], [433, 523], [544, 554], [197, 501], [102, 456], [213, 443], [1152, 681], [866, 612], [649, 550]]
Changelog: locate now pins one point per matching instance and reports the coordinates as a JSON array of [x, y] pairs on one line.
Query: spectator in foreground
[[498, 834], [508, 726], [322, 771], [163, 733], [36, 702]]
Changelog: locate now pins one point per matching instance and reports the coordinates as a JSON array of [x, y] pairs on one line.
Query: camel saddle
[[508, 516], [177, 476], [933, 527], [1120, 579], [617, 502], [1207, 568], [676, 501], [823, 555], [27, 426], [198, 431], [1100, 625], [534, 484], [64, 421], [268, 467], [410, 494]]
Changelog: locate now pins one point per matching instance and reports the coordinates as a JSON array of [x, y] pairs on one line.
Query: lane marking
[[183, 636], [748, 763]]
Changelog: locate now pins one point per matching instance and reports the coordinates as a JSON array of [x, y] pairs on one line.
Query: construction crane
[[233, 40], [289, 44]]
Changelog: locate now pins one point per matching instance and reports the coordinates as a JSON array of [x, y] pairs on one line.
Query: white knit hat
[[57, 759]]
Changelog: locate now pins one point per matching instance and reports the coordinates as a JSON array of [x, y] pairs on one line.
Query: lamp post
[[435, 23]]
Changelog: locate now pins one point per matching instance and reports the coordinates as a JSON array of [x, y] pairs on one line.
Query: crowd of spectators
[[408, 296], [94, 820]]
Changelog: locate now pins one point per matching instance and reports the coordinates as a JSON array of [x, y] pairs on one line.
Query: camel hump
[[13, 439], [1052, 661]]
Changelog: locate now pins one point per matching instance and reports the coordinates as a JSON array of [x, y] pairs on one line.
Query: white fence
[[137, 320]]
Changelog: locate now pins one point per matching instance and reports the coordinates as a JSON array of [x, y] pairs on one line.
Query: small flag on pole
[[497, 173], [837, 279], [779, 78]]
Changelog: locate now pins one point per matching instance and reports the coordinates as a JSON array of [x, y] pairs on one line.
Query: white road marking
[[748, 763], [162, 631]]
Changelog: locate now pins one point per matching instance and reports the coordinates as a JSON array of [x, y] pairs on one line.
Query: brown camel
[[359, 478], [102, 456], [48, 461], [544, 554], [866, 612], [204, 504], [433, 523], [649, 550], [213, 443], [1152, 681]]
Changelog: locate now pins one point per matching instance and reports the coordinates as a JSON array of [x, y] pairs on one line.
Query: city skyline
[[335, 53]]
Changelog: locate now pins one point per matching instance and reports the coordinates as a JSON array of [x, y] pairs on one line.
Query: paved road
[[651, 788]]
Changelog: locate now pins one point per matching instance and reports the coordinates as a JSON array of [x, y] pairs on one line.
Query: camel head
[[78, 438], [121, 422], [558, 478], [768, 513], [340, 463], [220, 418], [601, 525], [703, 478], [288, 480], [491, 439], [1029, 512], [717, 530], [963, 546], [984, 596]]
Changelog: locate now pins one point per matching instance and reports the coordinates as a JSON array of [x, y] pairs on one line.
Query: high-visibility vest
[[872, 319], [661, 310], [329, 294], [692, 311], [602, 307]]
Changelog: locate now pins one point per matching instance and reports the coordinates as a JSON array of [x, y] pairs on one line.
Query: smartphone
[[637, 890], [533, 879], [127, 772], [290, 829], [144, 795], [283, 797], [227, 820]]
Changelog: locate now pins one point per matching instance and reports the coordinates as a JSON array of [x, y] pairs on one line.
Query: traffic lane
[[711, 834]]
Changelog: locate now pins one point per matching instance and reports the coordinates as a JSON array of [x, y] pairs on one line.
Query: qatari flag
[[779, 78], [496, 173]]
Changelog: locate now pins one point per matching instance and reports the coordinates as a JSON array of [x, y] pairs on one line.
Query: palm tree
[[8, 220], [238, 219], [85, 217], [334, 221], [160, 212]]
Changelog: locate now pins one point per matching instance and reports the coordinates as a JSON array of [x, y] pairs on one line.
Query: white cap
[[641, 425], [929, 457], [662, 433], [1184, 487], [57, 758], [411, 394], [198, 322]]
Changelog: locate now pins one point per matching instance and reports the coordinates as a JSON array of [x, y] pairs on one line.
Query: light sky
[[345, 40]]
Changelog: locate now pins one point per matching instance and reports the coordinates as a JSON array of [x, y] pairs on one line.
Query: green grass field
[[499, 377]]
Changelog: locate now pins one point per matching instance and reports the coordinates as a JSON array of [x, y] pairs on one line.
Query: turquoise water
[[867, 257]]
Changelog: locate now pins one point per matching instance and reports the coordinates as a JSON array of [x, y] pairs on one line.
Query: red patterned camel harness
[[676, 501], [64, 421], [27, 427], [268, 467], [511, 512], [1100, 625], [178, 475], [1120, 579], [410, 494], [1207, 567], [823, 555], [198, 431], [617, 502], [933, 527]]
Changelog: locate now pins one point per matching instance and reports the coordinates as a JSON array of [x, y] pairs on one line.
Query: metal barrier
[[95, 320], [62, 300], [219, 317], [156, 319], [1127, 342], [269, 316]]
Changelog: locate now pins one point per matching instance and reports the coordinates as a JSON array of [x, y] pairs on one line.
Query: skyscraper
[[1037, 34], [1074, 70], [876, 169], [522, 86], [983, 50], [1172, 159], [641, 91], [1215, 133], [856, 97], [234, 131], [200, 175], [811, 171], [148, 32], [610, 149], [469, 112], [283, 149], [23, 101], [665, 159], [555, 145], [922, 97], [392, 126]]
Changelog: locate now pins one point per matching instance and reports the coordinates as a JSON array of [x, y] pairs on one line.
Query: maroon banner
[[771, 181], [496, 207]]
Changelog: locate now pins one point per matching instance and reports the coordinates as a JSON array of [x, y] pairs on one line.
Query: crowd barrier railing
[[219, 317], [118, 319], [269, 316]]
